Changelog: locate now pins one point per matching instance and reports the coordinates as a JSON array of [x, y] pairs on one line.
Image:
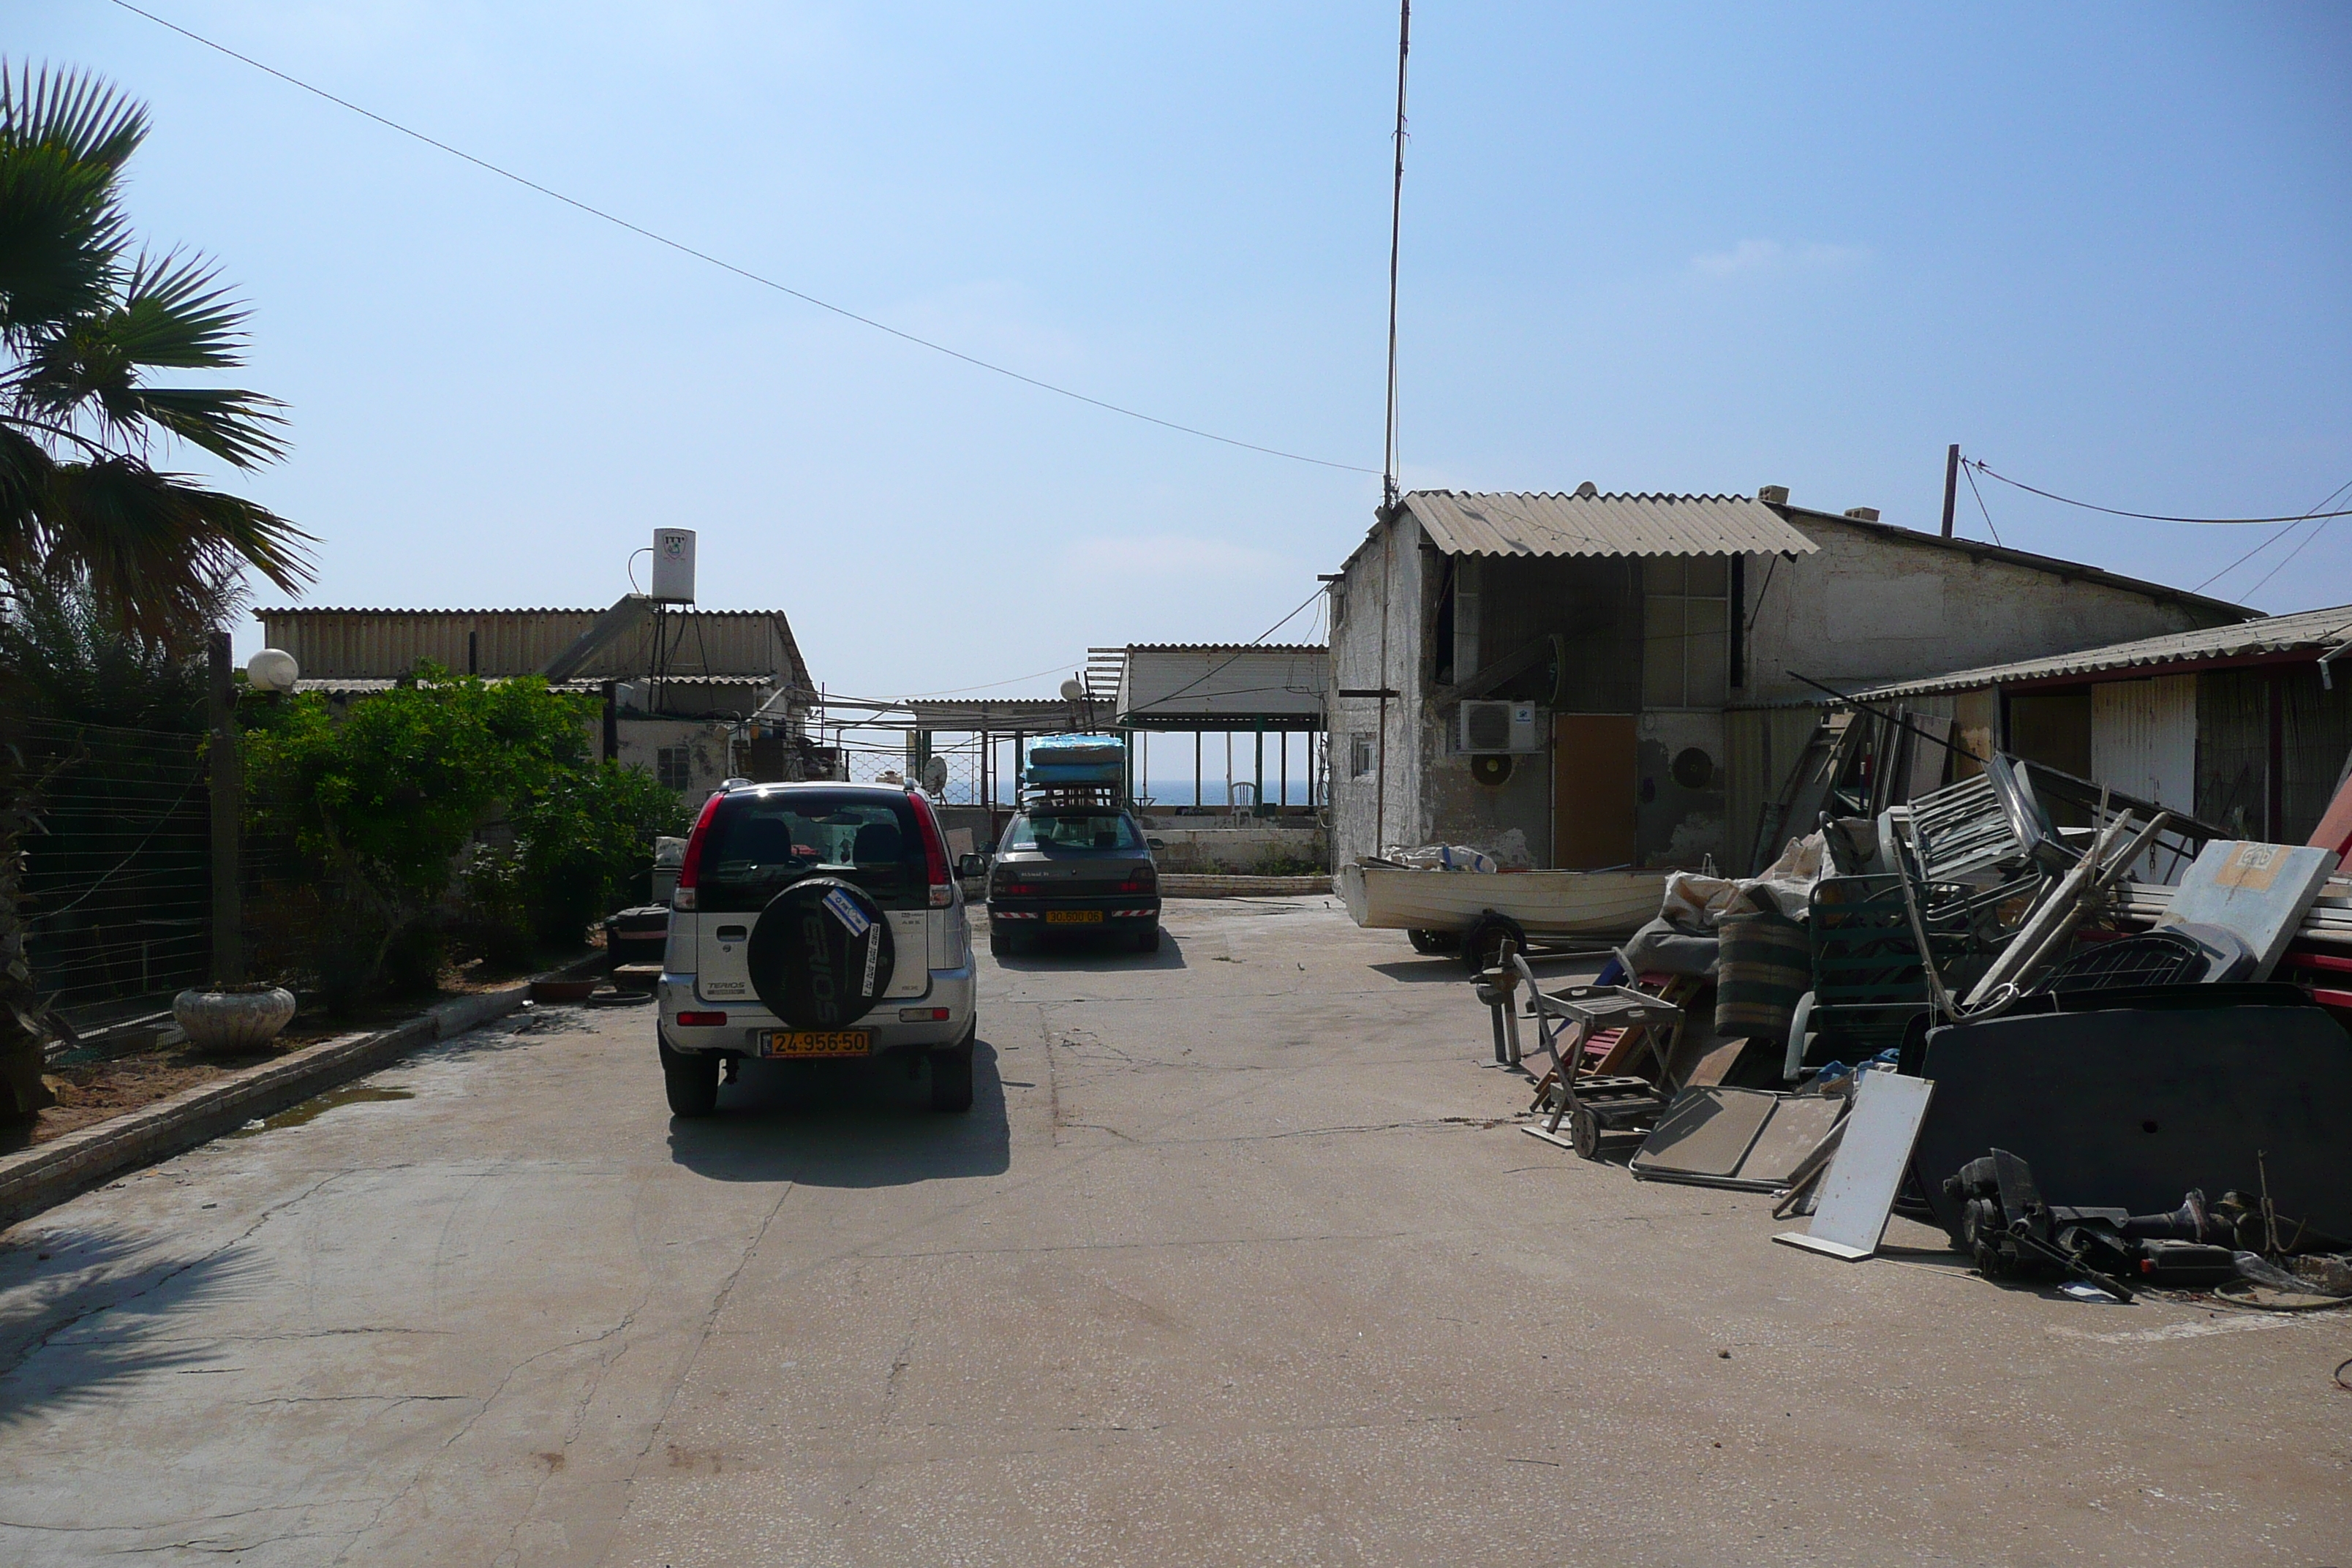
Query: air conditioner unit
[[1488, 727]]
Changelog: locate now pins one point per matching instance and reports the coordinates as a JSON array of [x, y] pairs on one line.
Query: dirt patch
[[92, 1093]]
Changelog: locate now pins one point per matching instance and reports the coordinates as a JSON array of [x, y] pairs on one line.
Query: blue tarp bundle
[[1060, 749], [1108, 773]]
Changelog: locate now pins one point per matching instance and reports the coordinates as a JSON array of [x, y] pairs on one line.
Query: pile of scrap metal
[[2082, 987]]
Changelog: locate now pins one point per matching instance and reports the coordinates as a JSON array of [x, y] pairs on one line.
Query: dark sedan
[[1085, 869]]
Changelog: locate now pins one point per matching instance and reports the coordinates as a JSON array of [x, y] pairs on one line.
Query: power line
[[2111, 512], [2327, 501], [1244, 648], [2281, 566], [1981, 506], [741, 272]]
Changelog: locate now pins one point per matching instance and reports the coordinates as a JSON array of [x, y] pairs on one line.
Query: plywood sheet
[[1796, 1126], [1705, 1132]]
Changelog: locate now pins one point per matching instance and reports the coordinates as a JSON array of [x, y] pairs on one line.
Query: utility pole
[[1396, 229], [1389, 496], [1951, 485]]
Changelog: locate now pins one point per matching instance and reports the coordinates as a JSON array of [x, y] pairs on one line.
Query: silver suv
[[751, 844]]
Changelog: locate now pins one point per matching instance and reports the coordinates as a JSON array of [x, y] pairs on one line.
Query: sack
[[1659, 949]]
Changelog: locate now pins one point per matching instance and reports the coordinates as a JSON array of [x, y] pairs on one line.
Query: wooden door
[[1594, 782]]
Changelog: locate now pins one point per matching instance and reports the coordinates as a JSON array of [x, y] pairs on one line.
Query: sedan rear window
[[758, 843], [1101, 830]]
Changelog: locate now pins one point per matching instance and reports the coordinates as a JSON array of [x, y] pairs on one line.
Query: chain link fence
[[118, 869]]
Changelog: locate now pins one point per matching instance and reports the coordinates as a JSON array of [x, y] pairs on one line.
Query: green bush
[[383, 806], [585, 842]]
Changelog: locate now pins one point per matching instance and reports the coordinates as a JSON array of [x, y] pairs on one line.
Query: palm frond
[[175, 313], [231, 425], [62, 231], [73, 111], [154, 547]]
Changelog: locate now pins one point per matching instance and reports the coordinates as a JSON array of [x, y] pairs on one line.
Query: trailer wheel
[[1433, 942], [1584, 1133], [1482, 947]]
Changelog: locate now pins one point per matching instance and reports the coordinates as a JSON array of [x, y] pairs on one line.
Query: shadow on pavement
[[1414, 971], [1077, 953], [846, 1125], [76, 1309]]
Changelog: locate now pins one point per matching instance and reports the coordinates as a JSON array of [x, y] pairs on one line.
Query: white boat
[[1548, 905]]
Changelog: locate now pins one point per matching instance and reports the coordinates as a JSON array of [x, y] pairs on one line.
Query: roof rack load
[[1074, 771]]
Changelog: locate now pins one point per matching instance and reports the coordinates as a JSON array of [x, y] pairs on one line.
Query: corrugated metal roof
[[1232, 682], [1462, 522], [507, 610], [2308, 630], [383, 643]]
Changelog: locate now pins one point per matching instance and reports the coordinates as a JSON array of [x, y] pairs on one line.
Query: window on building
[[674, 765], [1359, 757], [1685, 631]]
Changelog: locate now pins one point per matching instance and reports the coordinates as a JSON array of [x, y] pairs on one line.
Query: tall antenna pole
[[1396, 220]]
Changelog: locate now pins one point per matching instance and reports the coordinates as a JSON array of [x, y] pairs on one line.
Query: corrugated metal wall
[[379, 645], [1760, 745], [2233, 729], [2319, 736]]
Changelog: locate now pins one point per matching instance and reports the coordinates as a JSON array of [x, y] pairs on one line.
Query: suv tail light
[[689, 868], [935, 851]]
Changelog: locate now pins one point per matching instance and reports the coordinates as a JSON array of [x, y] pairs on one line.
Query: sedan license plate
[[1074, 917], [816, 1043]]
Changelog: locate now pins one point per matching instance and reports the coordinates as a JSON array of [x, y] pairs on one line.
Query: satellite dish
[[1073, 689], [935, 776], [272, 669]]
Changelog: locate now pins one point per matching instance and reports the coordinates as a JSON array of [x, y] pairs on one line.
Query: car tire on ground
[[1482, 946], [951, 1074], [1148, 942], [1002, 943], [691, 1079]]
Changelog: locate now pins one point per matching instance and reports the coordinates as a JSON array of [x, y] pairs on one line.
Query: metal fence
[[117, 867]]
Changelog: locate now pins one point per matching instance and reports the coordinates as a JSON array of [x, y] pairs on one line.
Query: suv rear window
[[760, 843], [1097, 830]]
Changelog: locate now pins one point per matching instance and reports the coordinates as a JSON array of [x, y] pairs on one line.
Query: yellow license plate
[[1074, 917], [817, 1043]]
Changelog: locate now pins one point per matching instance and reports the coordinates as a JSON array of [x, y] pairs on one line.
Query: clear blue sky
[[2108, 249]]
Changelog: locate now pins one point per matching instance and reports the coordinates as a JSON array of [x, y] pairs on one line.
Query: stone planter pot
[[226, 1022]]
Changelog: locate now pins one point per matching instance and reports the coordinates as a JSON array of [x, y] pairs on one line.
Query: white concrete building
[[1591, 679]]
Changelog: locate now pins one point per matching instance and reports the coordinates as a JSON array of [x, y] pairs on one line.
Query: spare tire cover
[[820, 954]]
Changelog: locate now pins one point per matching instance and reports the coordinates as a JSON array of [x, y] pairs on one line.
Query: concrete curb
[[47, 1174], [1185, 885]]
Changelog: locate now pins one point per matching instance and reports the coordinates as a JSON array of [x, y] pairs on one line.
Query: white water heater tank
[[673, 566]]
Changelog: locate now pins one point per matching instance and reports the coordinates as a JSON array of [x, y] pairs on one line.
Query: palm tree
[[85, 319]]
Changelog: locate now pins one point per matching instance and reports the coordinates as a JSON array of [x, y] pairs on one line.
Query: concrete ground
[[1239, 1258]]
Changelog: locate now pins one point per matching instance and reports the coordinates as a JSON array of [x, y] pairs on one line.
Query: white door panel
[[723, 974]]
